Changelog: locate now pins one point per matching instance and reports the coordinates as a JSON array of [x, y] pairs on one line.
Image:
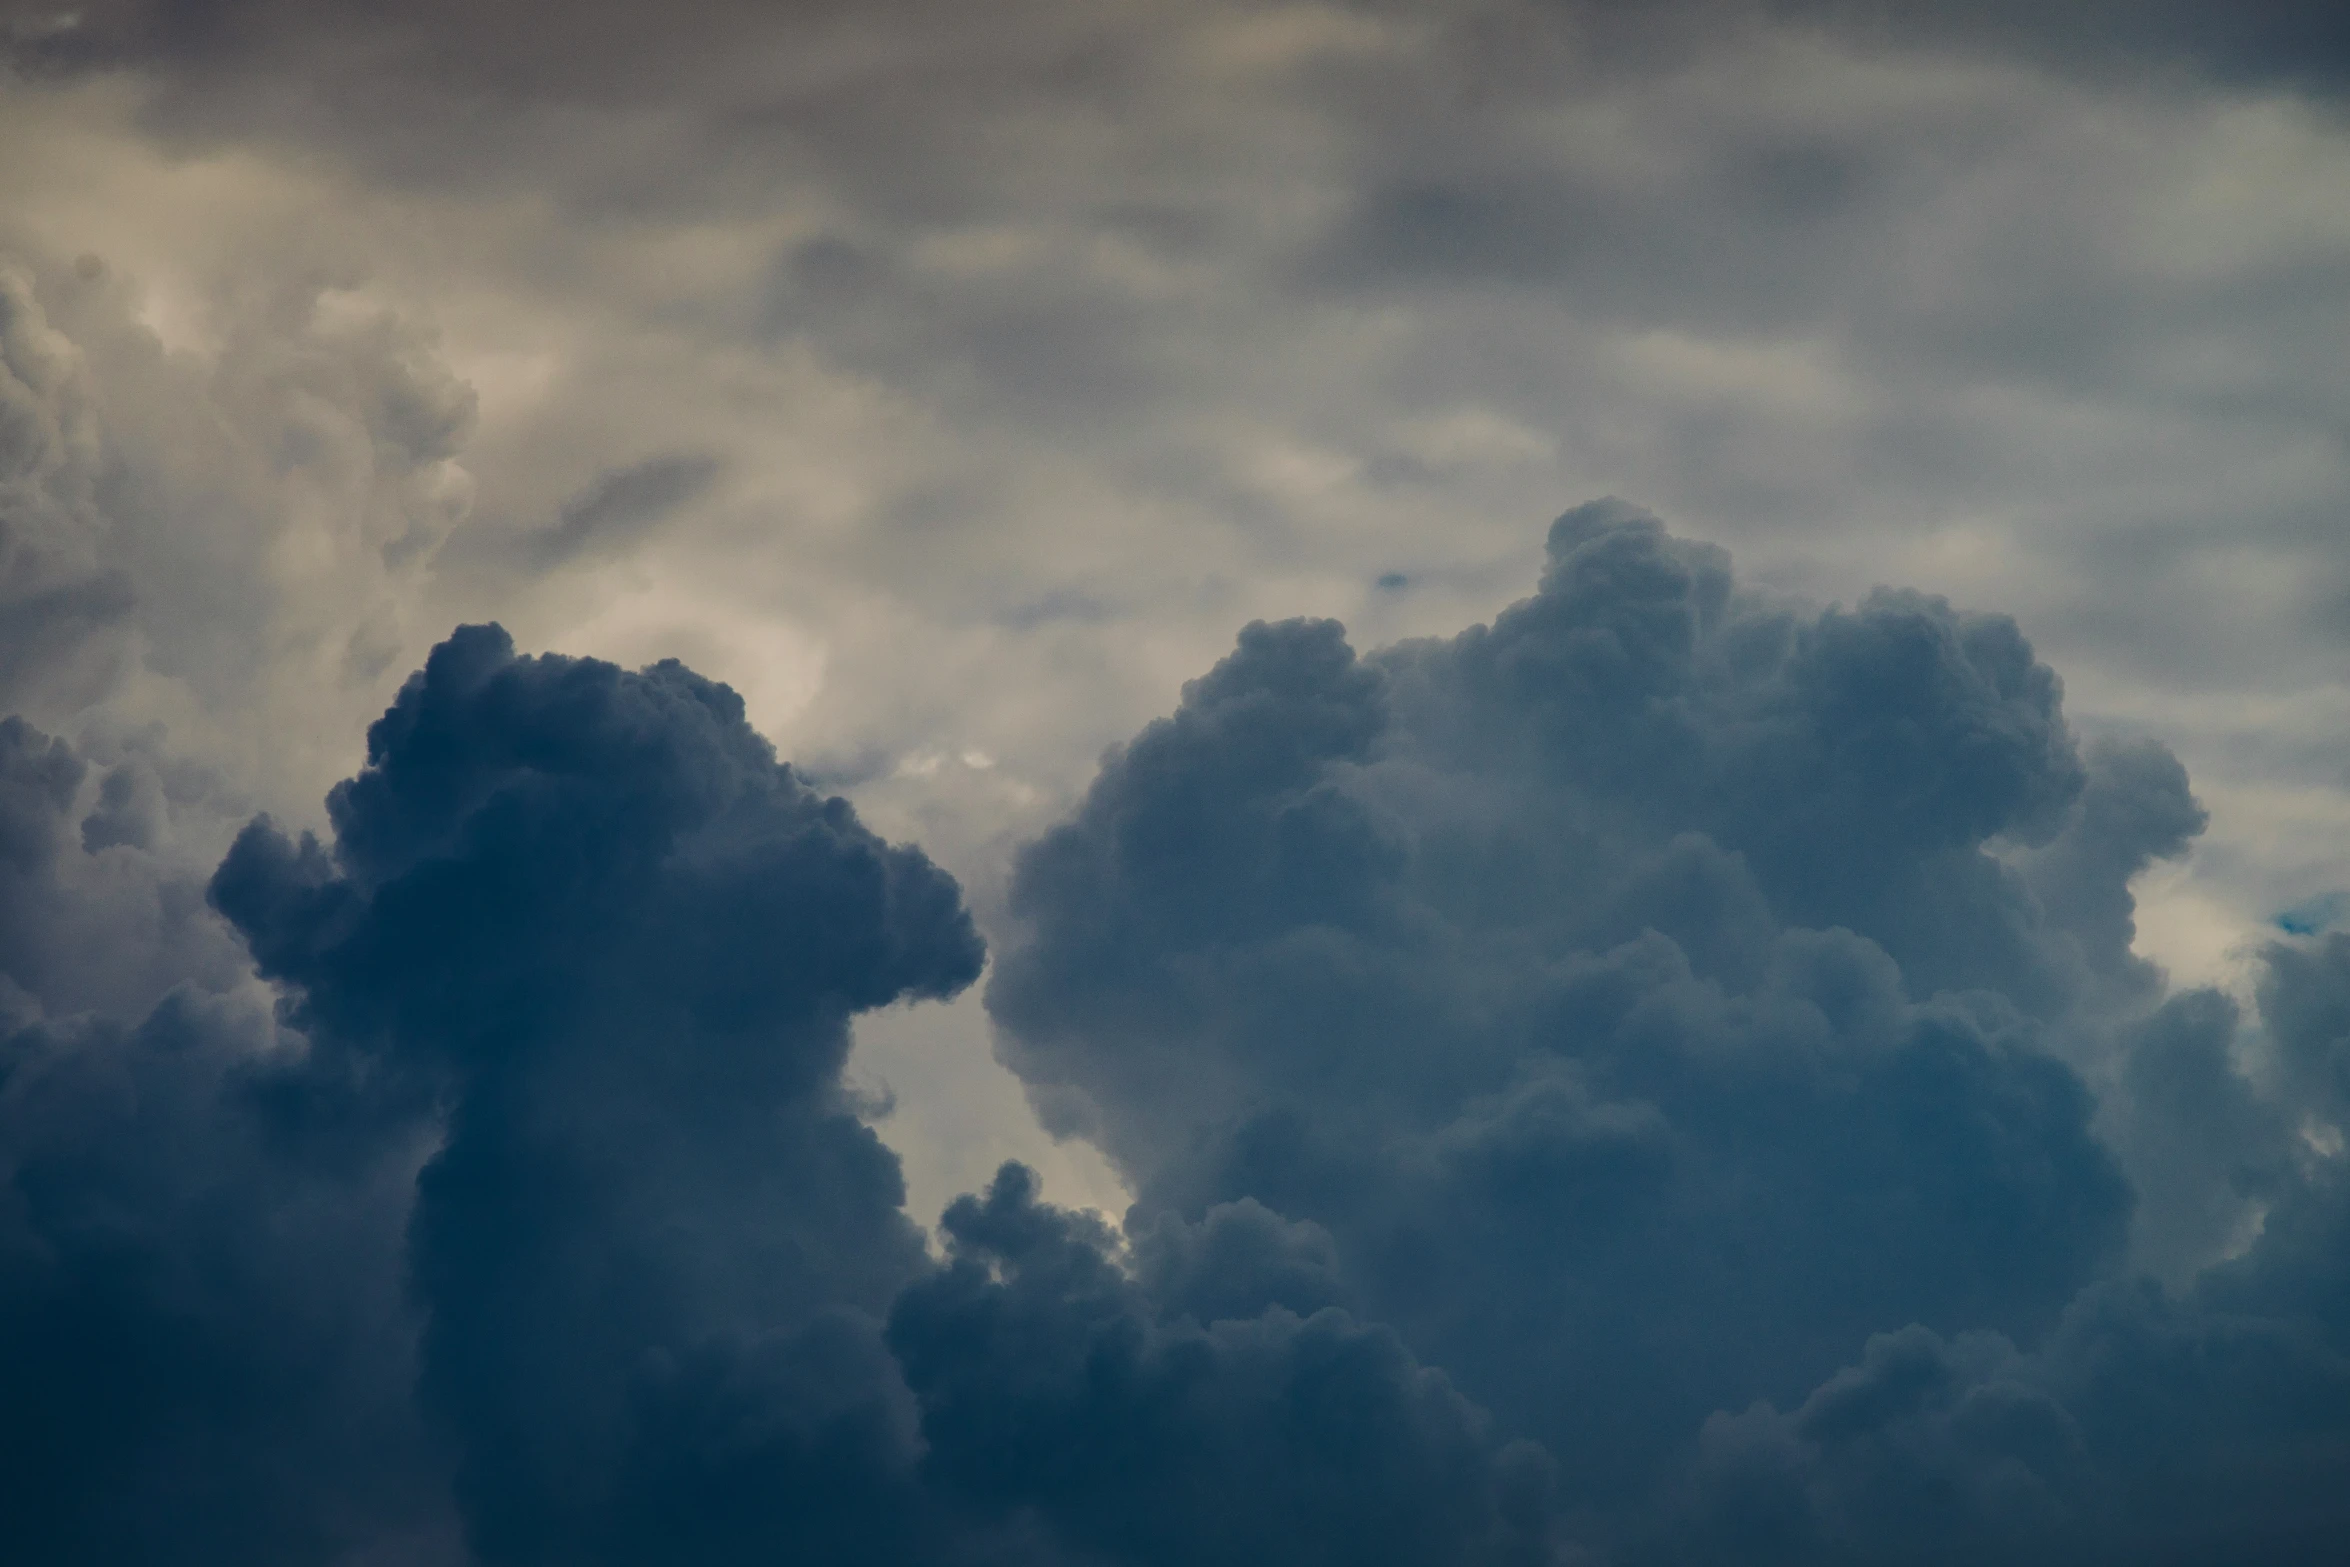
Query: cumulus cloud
[[539, 1224], [1660, 1076], [1669, 1073], [1646, 998], [587, 919], [1049, 1382], [2206, 1424], [553, 1104], [2142, 1431]]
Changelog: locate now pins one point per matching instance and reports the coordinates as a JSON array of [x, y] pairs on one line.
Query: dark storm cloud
[[1050, 1382], [202, 1352], [585, 944], [1643, 999], [1596, 1085], [1670, 1060], [1622, 940], [2142, 1431], [2306, 998], [588, 913], [2208, 1426], [544, 1206]]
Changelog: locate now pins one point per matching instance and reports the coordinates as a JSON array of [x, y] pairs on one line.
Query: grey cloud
[[1606, 942], [1746, 223], [644, 939], [2143, 1431], [206, 1351], [53, 630], [58, 603], [151, 499], [1609, 942], [2306, 997], [1047, 1385], [1445, 984], [2299, 42], [616, 511], [130, 809], [1844, 302], [2135, 809], [2205, 1151], [105, 920], [1544, 1056], [621, 504]]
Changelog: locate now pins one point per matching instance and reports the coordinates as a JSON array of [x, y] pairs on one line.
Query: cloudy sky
[[954, 383]]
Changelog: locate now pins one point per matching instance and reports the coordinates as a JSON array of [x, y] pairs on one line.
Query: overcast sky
[[954, 381]]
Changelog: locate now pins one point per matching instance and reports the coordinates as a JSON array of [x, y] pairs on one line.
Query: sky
[[1529, 781]]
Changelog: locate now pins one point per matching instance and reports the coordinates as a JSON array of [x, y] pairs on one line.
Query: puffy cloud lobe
[[1238, 1260], [1686, 989], [2306, 998], [1049, 1383], [2204, 1149], [2144, 1430], [2300, 1268], [2135, 808], [1643, 953], [105, 916], [590, 913], [203, 1352]]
